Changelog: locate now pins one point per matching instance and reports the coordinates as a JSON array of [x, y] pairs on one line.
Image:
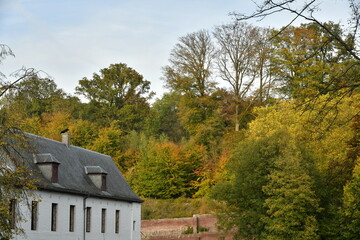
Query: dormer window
[[98, 176], [55, 173], [48, 165]]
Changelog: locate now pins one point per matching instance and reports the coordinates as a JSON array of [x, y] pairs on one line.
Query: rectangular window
[[103, 220], [72, 218], [34, 214], [117, 221], [55, 173], [134, 225], [53, 216], [103, 182], [88, 219], [12, 213]]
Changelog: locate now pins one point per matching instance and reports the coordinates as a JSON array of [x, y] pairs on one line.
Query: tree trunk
[[237, 120]]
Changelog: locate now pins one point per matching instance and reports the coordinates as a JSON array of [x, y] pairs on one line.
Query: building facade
[[81, 195]]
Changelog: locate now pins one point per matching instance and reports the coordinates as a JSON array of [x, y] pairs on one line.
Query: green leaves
[[167, 170], [291, 203], [285, 180], [114, 88], [351, 209]]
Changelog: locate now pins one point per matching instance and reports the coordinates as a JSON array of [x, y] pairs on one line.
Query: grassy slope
[[175, 208]]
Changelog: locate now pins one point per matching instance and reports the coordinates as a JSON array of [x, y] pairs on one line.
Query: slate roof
[[45, 158], [94, 169], [72, 174]]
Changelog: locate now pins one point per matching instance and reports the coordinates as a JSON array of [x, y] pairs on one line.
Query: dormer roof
[[94, 170], [45, 158]]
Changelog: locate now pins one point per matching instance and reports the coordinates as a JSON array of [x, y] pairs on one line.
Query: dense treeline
[[277, 148]]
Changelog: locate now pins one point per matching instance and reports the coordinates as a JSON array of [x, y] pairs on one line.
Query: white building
[[81, 195]]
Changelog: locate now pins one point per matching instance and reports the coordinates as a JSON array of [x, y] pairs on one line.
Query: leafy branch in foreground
[[343, 80], [15, 179]]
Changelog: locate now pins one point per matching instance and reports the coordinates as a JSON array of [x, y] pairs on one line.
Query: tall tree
[[33, 96], [241, 188], [201, 117], [292, 205], [164, 118], [306, 10], [307, 62], [241, 60], [191, 64], [112, 89]]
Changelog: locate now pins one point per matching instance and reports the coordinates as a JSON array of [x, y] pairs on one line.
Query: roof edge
[[88, 194]]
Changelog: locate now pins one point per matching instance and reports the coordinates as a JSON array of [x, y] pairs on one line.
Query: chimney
[[66, 138]]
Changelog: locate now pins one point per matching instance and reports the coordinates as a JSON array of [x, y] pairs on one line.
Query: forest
[[275, 146]]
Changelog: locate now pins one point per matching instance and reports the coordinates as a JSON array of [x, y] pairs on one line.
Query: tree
[[164, 118], [240, 190], [305, 10], [112, 89], [286, 170], [83, 132], [167, 170], [347, 43], [241, 59], [191, 64], [292, 205], [201, 118], [351, 208], [33, 96], [15, 181], [109, 142], [307, 62]]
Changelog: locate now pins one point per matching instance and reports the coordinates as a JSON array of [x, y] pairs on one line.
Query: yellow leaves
[[53, 124], [271, 119], [324, 130]]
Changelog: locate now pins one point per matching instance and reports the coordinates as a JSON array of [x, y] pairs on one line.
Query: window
[[72, 218], [34, 214], [103, 182], [88, 219], [117, 221], [134, 225], [12, 213], [55, 173], [53, 216], [103, 220]]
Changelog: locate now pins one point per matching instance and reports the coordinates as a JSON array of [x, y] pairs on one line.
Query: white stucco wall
[[129, 213]]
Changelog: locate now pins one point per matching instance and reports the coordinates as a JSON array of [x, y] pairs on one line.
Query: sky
[[72, 39]]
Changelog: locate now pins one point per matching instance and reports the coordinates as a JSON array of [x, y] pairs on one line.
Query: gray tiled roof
[[94, 169], [72, 175], [45, 158]]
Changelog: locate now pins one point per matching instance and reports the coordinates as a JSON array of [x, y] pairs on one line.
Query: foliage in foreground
[[286, 179]]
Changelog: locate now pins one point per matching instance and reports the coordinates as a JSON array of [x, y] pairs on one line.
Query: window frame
[[54, 173], [54, 213], [72, 218], [34, 215], [12, 213], [88, 219], [103, 182], [117, 221], [103, 220]]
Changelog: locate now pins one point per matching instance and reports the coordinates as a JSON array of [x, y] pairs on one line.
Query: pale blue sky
[[72, 39]]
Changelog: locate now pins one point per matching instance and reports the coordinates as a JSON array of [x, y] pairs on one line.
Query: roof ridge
[[58, 142]]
